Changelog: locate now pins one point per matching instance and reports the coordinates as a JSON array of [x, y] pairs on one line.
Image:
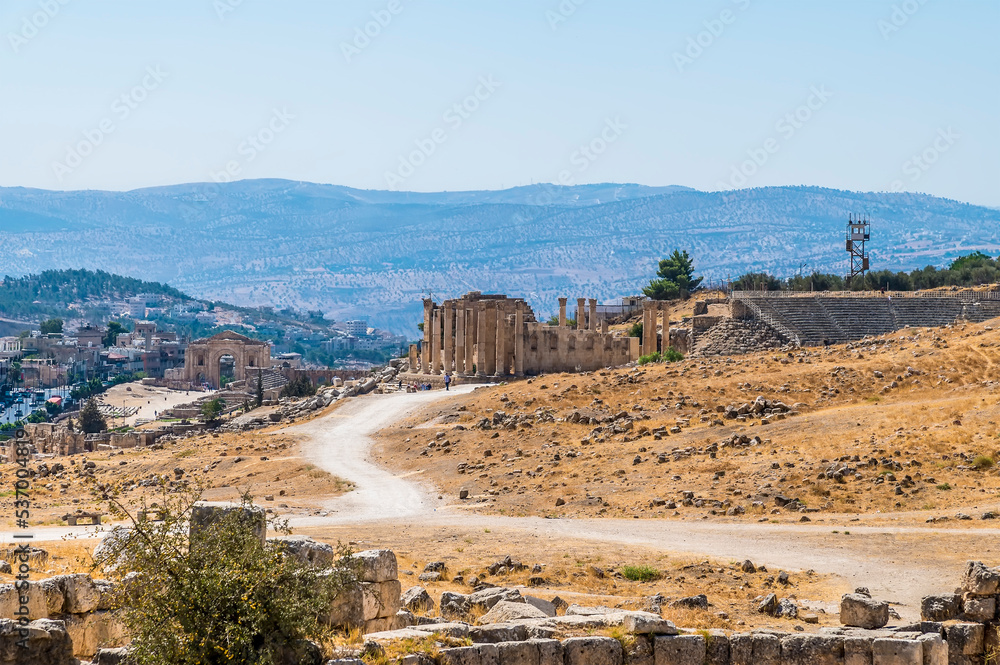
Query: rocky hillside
[[375, 253]]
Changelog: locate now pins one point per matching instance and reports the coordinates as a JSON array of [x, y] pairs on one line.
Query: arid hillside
[[899, 425]]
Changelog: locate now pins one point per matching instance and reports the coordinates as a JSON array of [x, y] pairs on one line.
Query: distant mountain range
[[366, 253]]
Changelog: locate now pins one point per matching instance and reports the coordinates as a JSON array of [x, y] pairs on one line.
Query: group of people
[[413, 387]]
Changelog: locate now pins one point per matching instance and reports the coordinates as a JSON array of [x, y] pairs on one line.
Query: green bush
[[649, 358], [298, 387], [225, 598], [672, 355], [983, 462], [640, 573]]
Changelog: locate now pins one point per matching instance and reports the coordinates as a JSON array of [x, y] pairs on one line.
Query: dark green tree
[[91, 420], [111, 336], [212, 409], [674, 278], [259, 393], [51, 326]]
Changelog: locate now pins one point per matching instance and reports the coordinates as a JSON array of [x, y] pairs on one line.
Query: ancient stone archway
[[204, 355]]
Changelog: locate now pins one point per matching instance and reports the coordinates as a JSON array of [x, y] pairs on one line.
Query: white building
[[356, 328]]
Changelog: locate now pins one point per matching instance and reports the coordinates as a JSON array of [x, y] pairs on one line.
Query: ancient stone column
[[501, 338], [604, 326], [592, 304], [436, 341], [470, 339], [648, 329], [481, 335], [562, 312], [460, 338], [413, 358], [519, 339], [425, 348], [449, 336], [581, 313]]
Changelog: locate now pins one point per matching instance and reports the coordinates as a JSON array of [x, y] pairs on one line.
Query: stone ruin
[[479, 336]]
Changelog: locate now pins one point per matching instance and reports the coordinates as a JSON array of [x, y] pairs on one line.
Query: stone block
[[48, 643], [857, 650], [979, 608], [766, 649], [347, 609], [206, 513], [93, 631], [980, 580], [640, 651], [679, 650], [717, 650], [116, 656], [517, 653], [741, 649], [897, 652], [645, 623], [940, 607], [487, 598], [549, 609], [964, 639], [812, 650], [593, 651], [499, 632], [38, 608], [381, 599], [80, 593], [377, 566], [863, 612], [416, 599], [308, 551], [935, 649]]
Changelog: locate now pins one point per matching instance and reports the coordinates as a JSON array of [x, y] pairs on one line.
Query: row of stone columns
[[460, 335], [582, 305]]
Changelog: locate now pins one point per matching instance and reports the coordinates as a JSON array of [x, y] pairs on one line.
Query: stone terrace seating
[[829, 319]]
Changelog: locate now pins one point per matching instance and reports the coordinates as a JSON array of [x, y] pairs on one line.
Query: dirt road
[[899, 563]]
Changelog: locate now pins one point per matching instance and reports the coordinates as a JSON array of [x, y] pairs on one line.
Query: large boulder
[[377, 566], [506, 612], [863, 612]]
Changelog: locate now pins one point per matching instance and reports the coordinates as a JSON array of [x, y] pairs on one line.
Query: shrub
[[227, 599], [298, 387], [91, 420], [672, 355], [641, 573], [649, 358], [944, 486], [212, 409], [983, 462]]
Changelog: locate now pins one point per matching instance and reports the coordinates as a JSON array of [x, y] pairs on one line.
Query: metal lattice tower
[[858, 233]]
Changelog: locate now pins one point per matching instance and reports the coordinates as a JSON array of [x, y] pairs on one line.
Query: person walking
[[447, 381]]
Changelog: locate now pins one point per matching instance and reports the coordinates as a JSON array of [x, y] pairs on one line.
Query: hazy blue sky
[[856, 94]]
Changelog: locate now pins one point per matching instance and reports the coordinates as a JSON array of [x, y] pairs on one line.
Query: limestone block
[[766, 649], [550, 652], [741, 649], [517, 653], [381, 625], [979, 608], [942, 607], [35, 595], [812, 650], [479, 654], [307, 550], [416, 599], [640, 651], [94, 631], [498, 632], [857, 650], [381, 599], [897, 652], [645, 623], [717, 650], [48, 643], [377, 566], [863, 612], [964, 639], [205, 513], [680, 650], [456, 630], [593, 651], [80, 593], [115, 656], [506, 611], [347, 609], [980, 580], [487, 598], [935, 649], [547, 608]]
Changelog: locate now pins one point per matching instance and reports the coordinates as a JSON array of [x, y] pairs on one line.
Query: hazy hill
[[349, 251]]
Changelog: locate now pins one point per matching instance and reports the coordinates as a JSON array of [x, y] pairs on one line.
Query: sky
[[871, 95]]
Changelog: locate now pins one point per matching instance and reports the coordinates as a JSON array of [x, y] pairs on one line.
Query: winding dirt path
[[899, 563]]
